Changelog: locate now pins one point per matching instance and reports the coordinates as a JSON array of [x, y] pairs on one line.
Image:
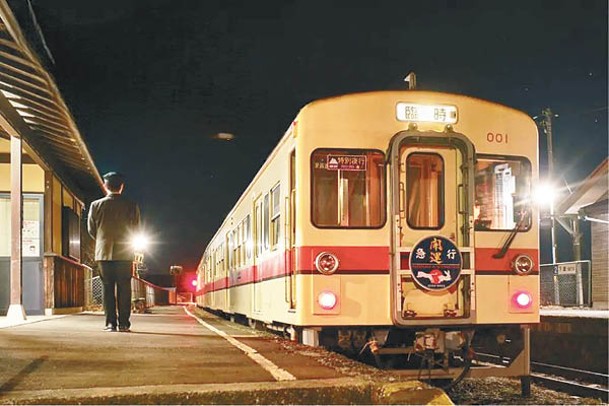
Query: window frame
[[383, 184], [525, 161], [274, 218], [441, 195]]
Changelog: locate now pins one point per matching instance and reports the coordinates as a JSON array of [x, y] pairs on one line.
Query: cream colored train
[[394, 224]]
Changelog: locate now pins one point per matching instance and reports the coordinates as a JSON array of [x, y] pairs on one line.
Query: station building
[[47, 176], [590, 202]]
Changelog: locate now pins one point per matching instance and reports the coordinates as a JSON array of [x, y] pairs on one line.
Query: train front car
[[413, 238]]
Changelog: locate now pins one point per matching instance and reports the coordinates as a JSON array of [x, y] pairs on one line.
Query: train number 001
[[496, 137]]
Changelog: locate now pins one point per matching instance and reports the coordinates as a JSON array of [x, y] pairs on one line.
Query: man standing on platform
[[113, 221]]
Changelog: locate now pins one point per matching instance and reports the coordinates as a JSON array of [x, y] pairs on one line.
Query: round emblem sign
[[435, 263]]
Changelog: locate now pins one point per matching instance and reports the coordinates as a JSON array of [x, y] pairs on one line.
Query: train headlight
[[522, 299], [326, 263], [327, 300], [522, 264]]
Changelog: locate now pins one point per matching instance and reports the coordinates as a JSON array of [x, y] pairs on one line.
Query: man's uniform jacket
[[112, 222]]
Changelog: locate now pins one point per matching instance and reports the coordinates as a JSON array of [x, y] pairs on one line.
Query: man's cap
[[115, 176]]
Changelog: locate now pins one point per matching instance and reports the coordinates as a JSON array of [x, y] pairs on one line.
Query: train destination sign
[[435, 263], [426, 113], [346, 163]]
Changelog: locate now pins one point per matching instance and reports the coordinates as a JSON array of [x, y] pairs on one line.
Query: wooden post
[[16, 310]]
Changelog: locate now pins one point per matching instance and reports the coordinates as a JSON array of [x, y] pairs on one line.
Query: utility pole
[[547, 127]]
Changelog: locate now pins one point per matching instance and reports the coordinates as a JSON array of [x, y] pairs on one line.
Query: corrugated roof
[[31, 102]]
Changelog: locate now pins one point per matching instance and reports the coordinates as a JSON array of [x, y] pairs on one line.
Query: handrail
[[152, 285], [67, 259]]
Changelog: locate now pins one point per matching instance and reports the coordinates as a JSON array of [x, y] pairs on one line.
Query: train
[[394, 225]]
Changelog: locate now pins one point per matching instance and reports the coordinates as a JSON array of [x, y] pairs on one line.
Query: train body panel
[[397, 210]]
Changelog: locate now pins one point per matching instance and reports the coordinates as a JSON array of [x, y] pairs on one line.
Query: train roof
[[400, 93]]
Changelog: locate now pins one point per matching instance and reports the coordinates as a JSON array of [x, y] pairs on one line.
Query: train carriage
[[389, 223]]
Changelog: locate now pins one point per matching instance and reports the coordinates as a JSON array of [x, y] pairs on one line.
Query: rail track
[[573, 381]]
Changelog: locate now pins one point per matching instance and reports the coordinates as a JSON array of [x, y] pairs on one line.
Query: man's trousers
[[116, 276]]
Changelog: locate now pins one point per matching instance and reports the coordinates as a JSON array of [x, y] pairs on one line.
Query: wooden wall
[[600, 253]]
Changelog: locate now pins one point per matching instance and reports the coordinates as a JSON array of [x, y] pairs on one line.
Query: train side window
[[424, 190], [275, 216], [236, 247], [258, 226], [348, 188], [241, 244], [265, 221], [503, 189], [248, 237]]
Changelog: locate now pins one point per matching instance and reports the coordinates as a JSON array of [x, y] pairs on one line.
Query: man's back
[[112, 220]]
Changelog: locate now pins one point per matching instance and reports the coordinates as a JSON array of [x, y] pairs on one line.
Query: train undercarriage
[[443, 355]]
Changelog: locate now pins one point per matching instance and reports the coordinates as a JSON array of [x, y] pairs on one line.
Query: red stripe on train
[[486, 263], [353, 259]]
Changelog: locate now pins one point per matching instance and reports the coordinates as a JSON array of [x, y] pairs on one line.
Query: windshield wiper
[[511, 237]]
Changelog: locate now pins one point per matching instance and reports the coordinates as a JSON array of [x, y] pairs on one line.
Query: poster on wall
[[31, 238]]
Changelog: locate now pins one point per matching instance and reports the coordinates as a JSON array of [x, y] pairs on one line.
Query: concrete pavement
[[174, 358]]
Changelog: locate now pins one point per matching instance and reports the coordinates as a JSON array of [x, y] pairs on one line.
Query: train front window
[[424, 190], [503, 188], [348, 188]]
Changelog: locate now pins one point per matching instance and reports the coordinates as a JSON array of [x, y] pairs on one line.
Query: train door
[[432, 176]]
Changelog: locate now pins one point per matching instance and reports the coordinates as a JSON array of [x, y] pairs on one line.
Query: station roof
[[32, 104], [591, 190]]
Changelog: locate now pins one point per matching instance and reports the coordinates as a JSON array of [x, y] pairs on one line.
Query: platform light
[[545, 194], [140, 242], [327, 300]]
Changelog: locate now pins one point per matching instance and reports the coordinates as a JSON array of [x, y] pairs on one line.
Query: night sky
[[150, 82]]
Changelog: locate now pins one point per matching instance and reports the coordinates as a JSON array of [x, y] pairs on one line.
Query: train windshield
[[348, 188], [503, 188]]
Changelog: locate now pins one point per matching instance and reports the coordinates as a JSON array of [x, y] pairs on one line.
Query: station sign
[[566, 269]]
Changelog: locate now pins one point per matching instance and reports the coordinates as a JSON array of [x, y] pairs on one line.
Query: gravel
[[506, 391]]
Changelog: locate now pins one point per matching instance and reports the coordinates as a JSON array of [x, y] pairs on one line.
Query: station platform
[[572, 337], [182, 355], [557, 311]]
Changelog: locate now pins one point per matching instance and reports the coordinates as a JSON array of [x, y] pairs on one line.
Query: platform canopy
[[591, 190], [31, 103]]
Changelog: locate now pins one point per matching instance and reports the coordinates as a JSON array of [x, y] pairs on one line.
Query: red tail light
[[522, 299], [327, 300]]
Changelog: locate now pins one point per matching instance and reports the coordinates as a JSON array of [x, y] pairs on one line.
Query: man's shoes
[[110, 327], [124, 329]]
